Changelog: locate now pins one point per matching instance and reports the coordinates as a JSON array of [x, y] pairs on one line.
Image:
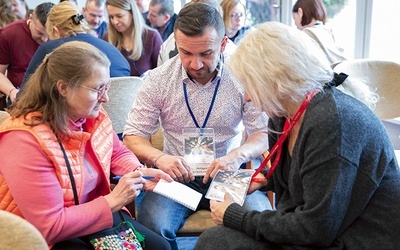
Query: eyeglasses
[[236, 15], [100, 91]]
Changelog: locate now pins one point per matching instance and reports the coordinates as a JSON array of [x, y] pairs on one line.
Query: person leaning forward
[[336, 178], [60, 112], [18, 42], [199, 74]]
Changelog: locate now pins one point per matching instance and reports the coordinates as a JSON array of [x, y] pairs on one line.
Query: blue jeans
[[164, 216]]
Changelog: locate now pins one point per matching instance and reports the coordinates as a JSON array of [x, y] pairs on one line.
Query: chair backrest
[[18, 233], [121, 94], [3, 116], [383, 77]]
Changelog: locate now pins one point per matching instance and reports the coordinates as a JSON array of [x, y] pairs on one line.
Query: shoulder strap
[[70, 174]]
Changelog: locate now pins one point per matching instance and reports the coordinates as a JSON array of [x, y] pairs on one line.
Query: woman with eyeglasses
[[235, 19], [65, 24], [58, 126]]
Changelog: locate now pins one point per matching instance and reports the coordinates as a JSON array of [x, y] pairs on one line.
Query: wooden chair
[[381, 76], [121, 94], [201, 220]]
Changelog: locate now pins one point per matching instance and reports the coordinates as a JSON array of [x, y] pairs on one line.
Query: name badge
[[199, 148]]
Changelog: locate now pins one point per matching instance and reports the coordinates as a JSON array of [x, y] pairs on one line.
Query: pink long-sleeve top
[[37, 191]]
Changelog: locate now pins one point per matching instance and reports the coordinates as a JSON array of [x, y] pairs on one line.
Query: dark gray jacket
[[339, 190]]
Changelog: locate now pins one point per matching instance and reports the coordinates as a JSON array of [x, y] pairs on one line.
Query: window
[[385, 40]]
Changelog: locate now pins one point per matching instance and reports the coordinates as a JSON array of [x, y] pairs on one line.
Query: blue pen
[[147, 177]]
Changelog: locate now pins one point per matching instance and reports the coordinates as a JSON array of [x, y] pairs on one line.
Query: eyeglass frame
[[236, 15], [100, 91]]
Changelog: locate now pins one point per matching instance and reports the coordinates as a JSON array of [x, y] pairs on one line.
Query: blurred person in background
[[234, 19], [95, 15], [64, 24], [7, 15], [20, 7], [143, 6], [162, 17], [18, 42], [139, 43], [310, 17]]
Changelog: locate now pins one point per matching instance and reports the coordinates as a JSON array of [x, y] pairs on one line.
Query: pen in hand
[[147, 177]]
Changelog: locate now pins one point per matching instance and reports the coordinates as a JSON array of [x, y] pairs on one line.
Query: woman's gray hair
[[277, 63]]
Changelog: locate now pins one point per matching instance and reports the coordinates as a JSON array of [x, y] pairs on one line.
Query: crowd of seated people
[[55, 86]]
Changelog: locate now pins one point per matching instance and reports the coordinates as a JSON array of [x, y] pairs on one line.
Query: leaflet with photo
[[234, 182]]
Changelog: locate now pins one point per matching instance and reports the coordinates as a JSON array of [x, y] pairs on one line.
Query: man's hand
[[176, 167], [228, 162]]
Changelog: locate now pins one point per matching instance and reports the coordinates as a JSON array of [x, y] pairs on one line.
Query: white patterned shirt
[[161, 99]]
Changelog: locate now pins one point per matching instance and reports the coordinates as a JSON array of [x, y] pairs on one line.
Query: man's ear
[[167, 17], [62, 87]]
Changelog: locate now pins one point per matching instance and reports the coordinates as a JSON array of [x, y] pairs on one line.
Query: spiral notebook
[[178, 192]]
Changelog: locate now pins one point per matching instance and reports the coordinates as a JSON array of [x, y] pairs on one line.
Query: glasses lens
[[236, 16], [102, 90]]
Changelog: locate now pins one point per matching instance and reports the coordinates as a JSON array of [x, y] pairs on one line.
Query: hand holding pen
[[126, 190]]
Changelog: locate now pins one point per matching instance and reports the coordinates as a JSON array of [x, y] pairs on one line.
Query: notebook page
[[179, 192]]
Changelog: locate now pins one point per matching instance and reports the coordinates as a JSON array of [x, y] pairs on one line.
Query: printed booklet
[[234, 182]]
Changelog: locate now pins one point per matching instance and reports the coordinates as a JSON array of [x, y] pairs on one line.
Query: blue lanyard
[[209, 110]]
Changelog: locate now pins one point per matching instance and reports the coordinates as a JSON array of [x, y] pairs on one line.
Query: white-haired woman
[[334, 172]]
